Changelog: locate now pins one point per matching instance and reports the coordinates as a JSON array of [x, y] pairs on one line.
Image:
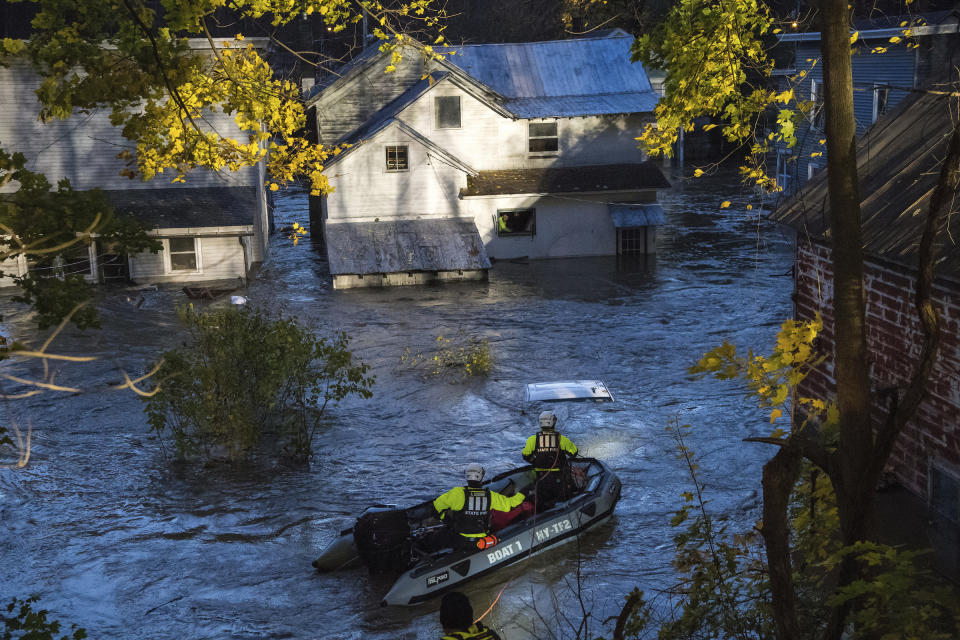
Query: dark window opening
[[517, 222], [543, 138], [816, 89], [183, 254], [396, 158], [447, 112]]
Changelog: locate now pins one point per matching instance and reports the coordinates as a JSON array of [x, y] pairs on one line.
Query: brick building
[[899, 162]]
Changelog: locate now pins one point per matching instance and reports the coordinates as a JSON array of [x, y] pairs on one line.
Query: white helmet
[[474, 472], [548, 420]]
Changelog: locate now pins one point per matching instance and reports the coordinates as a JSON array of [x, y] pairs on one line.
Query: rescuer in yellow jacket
[[456, 618], [467, 509], [549, 452]]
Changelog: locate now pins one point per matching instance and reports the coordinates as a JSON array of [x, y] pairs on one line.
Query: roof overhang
[[872, 34], [567, 390]]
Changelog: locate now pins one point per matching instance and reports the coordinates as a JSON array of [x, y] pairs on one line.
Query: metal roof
[[585, 76], [567, 390], [884, 26], [187, 206], [898, 162], [636, 215], [582, 179], [399, 245]]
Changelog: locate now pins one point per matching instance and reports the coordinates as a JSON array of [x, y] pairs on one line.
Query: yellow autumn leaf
[[697, 173], [854, 36], [823, 141], [274, 186], [239, 36], [895, 39], [749, 207], [725, 204], [776, 413]]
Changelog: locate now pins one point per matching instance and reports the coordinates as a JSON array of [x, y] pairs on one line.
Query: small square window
[[818, 113], [516, 222], [447, 110], [183, 254], [543, 138], [397, 158]]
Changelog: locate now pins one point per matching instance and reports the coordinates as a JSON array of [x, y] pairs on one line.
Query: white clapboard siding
[[221, 258], [11, 267], [346, 105], [365, 189], [83, 148]]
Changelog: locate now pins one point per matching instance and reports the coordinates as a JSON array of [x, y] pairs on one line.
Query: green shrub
[[456, 358], [247, 374]]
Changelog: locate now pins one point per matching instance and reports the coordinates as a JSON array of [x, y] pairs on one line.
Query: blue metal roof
[[636, 215], [587, 76]]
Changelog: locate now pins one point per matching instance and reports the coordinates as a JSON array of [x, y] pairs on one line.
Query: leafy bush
[[456, 358], [21, 622], [246, 374]]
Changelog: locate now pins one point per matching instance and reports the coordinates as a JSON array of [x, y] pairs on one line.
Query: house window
[[183, 254], [397, 158], [447, 111], [944, 493], [516, 222], [543, 138], [881, 94], [632, 240], [816, 98], [813, 169], [784, 169]]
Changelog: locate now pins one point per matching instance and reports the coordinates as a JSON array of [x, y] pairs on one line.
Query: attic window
[[543, 139], [516, 222], [397, 158], [447, 111]]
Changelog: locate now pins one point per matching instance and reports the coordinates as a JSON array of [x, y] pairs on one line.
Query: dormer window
[[447, 112], [543, 139]]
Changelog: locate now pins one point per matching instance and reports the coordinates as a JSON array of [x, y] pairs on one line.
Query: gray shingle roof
[[898, 161], [584, 179], [394, 246], [187, 206]]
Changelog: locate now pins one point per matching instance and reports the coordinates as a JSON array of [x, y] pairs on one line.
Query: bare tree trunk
[[779, 477]]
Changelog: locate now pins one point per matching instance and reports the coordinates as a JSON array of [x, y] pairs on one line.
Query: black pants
[[552, 487]]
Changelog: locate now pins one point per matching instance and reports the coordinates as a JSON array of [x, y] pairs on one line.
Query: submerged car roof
[[568, 390]]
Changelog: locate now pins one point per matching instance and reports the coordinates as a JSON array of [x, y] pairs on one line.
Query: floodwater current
[[115, 537]]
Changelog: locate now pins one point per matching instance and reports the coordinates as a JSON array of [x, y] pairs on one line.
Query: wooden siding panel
[[365, 189], [221, 259], [84, 147], [342, 109]]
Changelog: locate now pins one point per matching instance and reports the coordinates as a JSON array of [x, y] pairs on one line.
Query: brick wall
[[893, 334]]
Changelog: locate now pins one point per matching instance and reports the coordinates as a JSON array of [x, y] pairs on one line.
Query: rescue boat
[[391, 539]]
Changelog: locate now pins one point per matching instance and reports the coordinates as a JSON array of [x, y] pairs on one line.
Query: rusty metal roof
[[583, 179], [579, 77], [898, 161], [396, 246]]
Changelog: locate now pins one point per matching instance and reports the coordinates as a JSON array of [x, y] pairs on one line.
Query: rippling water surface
[[113, 536]]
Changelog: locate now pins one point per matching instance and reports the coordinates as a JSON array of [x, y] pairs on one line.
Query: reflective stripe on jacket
[[475, 632], [548, 450], [456, 499]]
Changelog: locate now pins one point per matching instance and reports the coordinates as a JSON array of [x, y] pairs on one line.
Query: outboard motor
[[382, 536]]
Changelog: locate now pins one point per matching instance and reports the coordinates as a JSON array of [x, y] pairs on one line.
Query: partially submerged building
[[899, 162], [496, 151], [213, 227]]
